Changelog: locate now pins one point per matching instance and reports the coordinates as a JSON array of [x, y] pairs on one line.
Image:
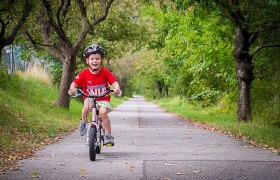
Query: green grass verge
[[263, 135], [29, 117]]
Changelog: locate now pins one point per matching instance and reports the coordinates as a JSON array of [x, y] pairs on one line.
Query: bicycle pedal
[[108, 144]]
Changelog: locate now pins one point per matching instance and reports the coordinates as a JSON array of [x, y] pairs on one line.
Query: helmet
[[93, 49]]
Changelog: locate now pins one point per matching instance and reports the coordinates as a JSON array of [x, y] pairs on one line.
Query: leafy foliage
[[193, 53]]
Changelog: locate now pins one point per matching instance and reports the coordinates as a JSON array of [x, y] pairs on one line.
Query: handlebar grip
[[79, 91]]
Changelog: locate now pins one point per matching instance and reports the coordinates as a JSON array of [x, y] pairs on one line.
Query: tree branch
[[45, 29], [84, 13], [267, 75], [105, 6], [82, 8], [3, 29], [36, 44], [80, 39], [234, 14], [62, 11], [265, 46], [58, 13], [65, 8], [106, 11], [266, 29], [27, 9], [58, 29], [52, 50], [253, 37]]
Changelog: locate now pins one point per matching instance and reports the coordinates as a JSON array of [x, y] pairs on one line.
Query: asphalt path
[[151, 144]]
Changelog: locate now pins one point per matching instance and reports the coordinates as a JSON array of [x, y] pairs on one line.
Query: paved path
[[151, 144]]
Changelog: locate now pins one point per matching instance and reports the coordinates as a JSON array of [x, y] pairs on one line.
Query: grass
[[29, 118], [256, 133]]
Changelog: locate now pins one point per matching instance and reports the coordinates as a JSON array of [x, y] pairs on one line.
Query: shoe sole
[[83, 133]]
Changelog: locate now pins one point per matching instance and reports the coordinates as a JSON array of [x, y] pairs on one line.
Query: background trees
[[209, 48], [194, 51], [211, 52]]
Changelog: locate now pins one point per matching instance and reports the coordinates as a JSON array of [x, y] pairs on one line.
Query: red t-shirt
[[95, 84]]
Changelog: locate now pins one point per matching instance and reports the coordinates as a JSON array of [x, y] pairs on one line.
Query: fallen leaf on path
[[35, 175], [12, 158], [197, 171], [83, 170], [130, 166]]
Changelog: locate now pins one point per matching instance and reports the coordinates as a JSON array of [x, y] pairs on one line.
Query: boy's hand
[[72, 91], [118, 92]]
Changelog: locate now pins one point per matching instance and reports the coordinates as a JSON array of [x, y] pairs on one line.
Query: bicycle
[[95, 129]]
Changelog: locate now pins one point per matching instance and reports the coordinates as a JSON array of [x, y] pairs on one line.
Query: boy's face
[[94, 61]]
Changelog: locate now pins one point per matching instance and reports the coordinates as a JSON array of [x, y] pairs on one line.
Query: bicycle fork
[[97, 128]]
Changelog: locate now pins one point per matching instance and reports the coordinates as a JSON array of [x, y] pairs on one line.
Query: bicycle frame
[[96, 123]]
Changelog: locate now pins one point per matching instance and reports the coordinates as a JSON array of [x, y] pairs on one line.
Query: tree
[[257, 26], [64, 26], [254, 20], [13, 14]]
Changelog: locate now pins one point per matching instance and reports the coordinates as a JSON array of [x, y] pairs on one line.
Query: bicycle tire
[[92, 143], [98, 147]]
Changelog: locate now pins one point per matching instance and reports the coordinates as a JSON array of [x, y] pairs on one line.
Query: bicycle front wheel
[[92, 143], [99, 141]]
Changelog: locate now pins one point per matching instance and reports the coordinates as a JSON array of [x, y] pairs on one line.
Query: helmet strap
[[94, 70]]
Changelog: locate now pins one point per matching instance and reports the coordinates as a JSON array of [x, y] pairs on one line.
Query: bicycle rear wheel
[[92, 143]]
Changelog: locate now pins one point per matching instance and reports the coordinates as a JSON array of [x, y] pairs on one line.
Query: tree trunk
[[123, 82], [68, 73], [160, 87], [244, 74], [1, 50], [166, 90]]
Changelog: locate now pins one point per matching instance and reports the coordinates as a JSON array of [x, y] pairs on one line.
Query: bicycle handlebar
[[81, 92]]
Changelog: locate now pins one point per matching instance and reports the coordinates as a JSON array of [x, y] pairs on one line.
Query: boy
[[95, 80]]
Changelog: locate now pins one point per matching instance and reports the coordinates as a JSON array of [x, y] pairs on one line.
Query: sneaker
[[83, 129], [108, 140]]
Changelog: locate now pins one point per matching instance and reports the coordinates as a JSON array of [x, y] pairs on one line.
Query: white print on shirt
[[96, 90]]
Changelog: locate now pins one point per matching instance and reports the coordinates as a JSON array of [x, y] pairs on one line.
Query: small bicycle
[[95, 129]]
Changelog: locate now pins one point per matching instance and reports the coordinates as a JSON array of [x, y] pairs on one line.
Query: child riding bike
[[94, 80]]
